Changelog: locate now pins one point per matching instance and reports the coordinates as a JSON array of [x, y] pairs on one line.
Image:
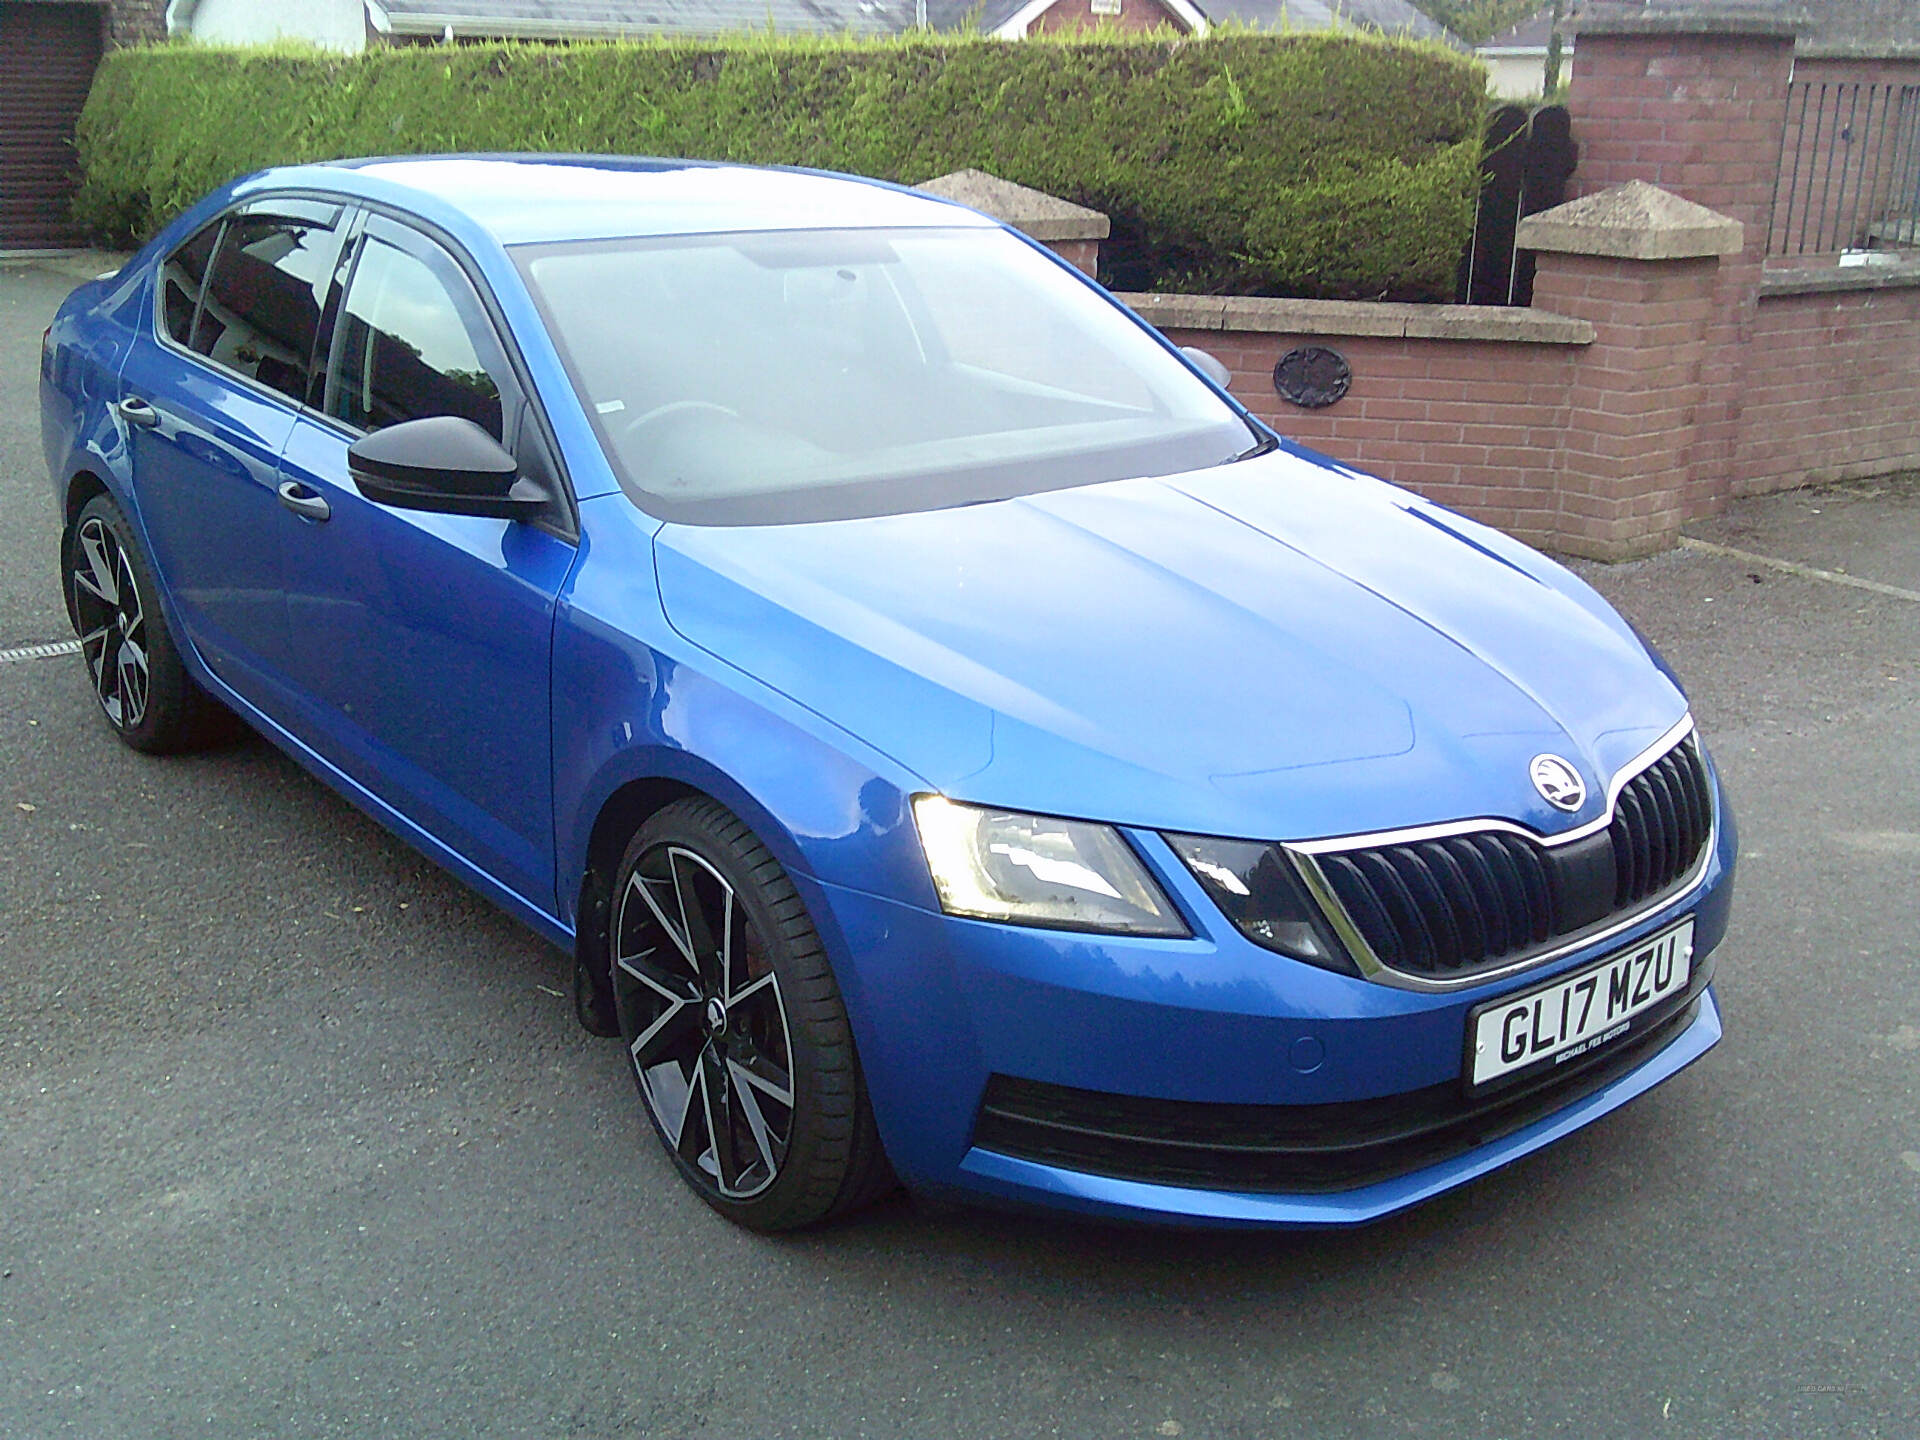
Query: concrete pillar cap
[[1032, 212], [1634, 221], [1760, 18]]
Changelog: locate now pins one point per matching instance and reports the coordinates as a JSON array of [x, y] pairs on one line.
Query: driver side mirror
[[1208, 365], [446, 464]]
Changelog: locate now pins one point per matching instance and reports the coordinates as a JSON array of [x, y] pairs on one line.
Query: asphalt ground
[[299, 1138]]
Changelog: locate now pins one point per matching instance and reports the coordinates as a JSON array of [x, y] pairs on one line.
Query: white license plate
[[1579, 1014]]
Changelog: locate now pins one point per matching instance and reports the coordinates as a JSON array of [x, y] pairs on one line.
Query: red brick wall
[[1637, 403], [1472, 424], [1592, 449], [1701, 116], [136, 22], [1703, 378], [1083, 253], [1831, 392]]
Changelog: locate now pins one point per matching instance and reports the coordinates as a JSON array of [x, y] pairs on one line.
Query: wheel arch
[[650, 783], [81, 487], [655, 782]]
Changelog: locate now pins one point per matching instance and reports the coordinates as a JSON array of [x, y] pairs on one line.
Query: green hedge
[[1322, 164]]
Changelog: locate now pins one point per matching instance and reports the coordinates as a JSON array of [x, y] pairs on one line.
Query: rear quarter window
[[183, 274]]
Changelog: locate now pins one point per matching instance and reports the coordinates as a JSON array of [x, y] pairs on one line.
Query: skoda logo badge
[[1558, 782]]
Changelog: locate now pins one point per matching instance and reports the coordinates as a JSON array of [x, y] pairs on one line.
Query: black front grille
[[1292, 1148], [1464, 903], [1660, 822]]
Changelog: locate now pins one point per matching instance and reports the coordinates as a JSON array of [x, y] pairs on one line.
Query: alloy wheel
[[693, 975], [113, 627]]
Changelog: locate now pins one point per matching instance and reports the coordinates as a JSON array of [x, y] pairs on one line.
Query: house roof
[[560, 19], [547, 19], [986, 15], [1531, 33], [1390, 17]]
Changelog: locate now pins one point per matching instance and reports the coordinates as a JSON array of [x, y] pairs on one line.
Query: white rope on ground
[[40, 652]]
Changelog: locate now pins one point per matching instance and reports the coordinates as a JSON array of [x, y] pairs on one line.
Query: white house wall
[[1517, 76], [332, 24]]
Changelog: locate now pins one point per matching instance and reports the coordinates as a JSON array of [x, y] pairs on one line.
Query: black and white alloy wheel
[[112, 621], [738, 1038], [712, 1056]]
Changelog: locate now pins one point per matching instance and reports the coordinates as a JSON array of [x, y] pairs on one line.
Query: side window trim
[[350, 214], [345, 261], [200, 300], [162, 332], [345, 215]]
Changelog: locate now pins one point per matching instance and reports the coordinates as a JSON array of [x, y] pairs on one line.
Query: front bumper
[[1024, 1181], [942, 1006]]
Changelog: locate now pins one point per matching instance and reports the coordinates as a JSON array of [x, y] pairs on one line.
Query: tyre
[[738, 1037], [144, 690]]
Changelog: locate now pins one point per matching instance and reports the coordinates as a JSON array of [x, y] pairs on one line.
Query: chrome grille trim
[[1408, 835], [1307, 861]]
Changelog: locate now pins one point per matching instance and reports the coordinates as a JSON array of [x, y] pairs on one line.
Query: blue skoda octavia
[[959, 745]]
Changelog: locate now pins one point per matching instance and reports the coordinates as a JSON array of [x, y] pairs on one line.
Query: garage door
[[47, 56]]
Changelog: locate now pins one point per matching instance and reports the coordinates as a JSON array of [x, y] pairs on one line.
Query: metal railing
[[1849, 169]]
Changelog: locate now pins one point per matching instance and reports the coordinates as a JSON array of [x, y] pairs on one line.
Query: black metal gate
[[1530, 154]]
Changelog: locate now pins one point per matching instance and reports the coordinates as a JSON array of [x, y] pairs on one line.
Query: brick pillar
[[1644, 268], [1071, 231], [1694, 101]]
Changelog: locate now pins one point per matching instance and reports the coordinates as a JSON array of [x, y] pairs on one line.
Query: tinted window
[[264, 297], [181, 276], [405, 350]]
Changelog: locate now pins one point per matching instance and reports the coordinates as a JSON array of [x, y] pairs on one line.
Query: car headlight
[[1032, 870], [1255, 887]]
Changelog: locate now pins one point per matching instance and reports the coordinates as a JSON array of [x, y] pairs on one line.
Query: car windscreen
[[776, 377]]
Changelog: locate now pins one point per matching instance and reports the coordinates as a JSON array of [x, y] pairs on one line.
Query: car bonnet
[[1274, 648]]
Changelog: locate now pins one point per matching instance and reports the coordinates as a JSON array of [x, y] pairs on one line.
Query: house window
[[1105, 7]]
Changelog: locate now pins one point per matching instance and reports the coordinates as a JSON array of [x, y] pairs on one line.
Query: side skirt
[[548, 926]]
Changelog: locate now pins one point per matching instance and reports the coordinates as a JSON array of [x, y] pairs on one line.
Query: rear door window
[[182, 275], [261, 314], [411, 342]]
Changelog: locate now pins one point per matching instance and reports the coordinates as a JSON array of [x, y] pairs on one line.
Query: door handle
[[304, 501], [136, 411]]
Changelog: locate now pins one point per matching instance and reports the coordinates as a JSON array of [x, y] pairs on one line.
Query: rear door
[[422, 642], [209, 393]]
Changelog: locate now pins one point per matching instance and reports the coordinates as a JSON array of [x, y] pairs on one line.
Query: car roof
[[523, 199]]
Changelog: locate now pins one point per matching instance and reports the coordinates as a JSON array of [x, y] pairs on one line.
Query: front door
[[421, 643]]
